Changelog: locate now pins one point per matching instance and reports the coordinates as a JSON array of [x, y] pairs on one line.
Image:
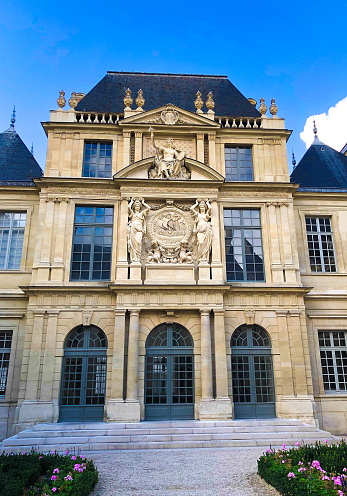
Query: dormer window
[[238, 163], [97, 160]]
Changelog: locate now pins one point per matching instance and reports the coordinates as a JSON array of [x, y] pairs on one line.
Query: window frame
[[2, 352], [93, 225], [332, 348], [97, 170], [319, 234], [238, 147], [24, 241], [243, 228]]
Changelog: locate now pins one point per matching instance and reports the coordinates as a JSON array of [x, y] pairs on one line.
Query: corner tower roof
[[321, 167], [17, 164], [161, 89]]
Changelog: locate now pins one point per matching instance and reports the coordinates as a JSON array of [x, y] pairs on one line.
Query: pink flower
[[54, 489], [82, 457], [56, 471], [40, 457], [297, 444], [340, 493], [67, 452], [344, 470], [76, 466], [68, 477], [302, 469], [54, 477], [291, 475], [300, 463], [283, 461], [73, 458], [24, 453], [325, 477], [326, 441]]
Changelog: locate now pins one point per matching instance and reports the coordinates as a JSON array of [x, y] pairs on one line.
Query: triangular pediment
[[169, 116], [197, 170]]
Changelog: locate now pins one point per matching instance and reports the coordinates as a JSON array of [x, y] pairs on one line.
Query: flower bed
[[37, 474], [318, 470]]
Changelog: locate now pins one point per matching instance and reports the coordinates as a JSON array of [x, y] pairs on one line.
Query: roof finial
[[293, 160], [315, 129], [32, 148], [13, 117]]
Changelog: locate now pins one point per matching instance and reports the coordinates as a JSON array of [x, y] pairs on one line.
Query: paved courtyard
[[180, 472]]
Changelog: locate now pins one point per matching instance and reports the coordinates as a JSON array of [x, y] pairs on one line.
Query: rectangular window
[[92, 244], [12, 225], [5, 351], [243, 245], [97, 160], [320, 244], [333, 353], [238, 163]]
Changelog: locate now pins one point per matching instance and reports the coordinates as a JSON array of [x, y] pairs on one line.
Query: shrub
[[37, 474], [318, 470]]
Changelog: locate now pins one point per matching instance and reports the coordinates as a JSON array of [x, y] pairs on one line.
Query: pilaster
[[138, 146], [223, 405], [133, 364], [200, 147], [122, 245], [126, 148], [57, 271], [216, 261], [212, 150], [276, 265]]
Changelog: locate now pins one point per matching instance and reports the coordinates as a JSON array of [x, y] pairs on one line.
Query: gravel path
[[180, 472]]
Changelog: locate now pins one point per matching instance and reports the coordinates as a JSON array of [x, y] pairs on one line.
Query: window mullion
[[7, 255], [97, 160], [92, 254], [320, 244]]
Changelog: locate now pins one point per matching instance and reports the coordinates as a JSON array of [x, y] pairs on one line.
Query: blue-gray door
[[83, 383], [169, 374], [252, 373]]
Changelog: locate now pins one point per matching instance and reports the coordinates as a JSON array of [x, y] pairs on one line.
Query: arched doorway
[[83, 383], [252, 373], [169, 373]]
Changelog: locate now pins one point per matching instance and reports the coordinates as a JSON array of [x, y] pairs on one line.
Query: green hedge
[[38, 474], [318, 470]]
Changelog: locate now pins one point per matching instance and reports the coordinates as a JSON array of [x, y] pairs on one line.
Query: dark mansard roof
[[161, 89], [321, 167], [17, 164]]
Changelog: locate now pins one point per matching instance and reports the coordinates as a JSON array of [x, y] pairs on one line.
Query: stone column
[[138, 146], [57, 273], [133, 357], [216, 261], [223, 407], [126, 148], [200, 147], [49, 356], [298, 357], [286, 361], [276, 265], [44, 264], [206, 357], [212, 150], [115, 406], [122, 243], [287, 244]]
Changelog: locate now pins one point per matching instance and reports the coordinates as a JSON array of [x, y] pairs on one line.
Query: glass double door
[[169, 390]]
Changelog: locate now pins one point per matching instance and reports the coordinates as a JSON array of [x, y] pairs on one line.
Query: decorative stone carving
[[137, 212], [61, 100], [198, 102], [262, 107], [169, 231], [73, 100], [210, 102], [201, 211], [169, 116], [140, 101], [169, 162], [127, 99], [87, 317], [273, 107]]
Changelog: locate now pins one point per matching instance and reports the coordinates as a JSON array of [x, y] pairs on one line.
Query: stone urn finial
[[210, 102], [262, 107], [140, 101], [127, 99], [273, 107], [73, 100], [61, 100], [198, 102]]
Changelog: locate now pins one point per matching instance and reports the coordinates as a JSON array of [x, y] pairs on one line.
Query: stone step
[[163, 435]]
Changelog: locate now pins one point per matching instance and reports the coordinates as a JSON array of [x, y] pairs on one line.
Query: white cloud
[[332, 129]]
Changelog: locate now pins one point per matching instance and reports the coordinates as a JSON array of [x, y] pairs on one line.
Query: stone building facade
[[165, 266]]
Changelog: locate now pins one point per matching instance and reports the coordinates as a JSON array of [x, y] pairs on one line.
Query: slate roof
[[321, 167], [161, 89], [17, 164]]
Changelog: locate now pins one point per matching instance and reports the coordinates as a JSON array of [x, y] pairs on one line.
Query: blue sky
[[293, 51]]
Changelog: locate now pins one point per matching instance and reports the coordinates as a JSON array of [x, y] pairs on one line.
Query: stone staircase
[[161, 435]]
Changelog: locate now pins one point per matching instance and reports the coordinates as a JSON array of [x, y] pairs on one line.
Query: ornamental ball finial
[[210, 102], [13, 117], [140, 101], [73, 100], [61, 100], [127, 99], [198, 101], [262, 107], [273, 107]]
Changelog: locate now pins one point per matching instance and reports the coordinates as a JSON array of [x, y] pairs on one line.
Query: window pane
[[238, 163], [5, 351], [333, 353], [12, 225], [320, 244], [97, 160]]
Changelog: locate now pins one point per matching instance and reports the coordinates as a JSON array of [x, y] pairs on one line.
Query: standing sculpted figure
[[201, 211], [137, 212]]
